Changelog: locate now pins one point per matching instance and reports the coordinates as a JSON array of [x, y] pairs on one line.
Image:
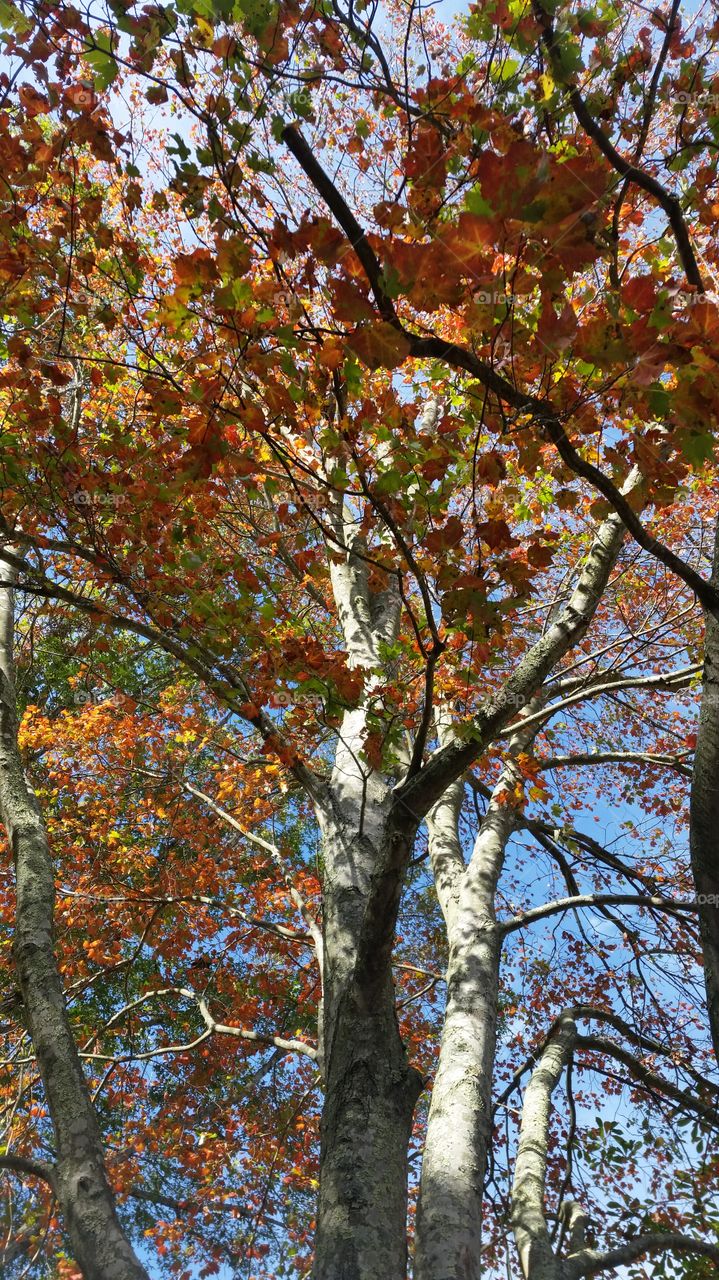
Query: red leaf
[[380, 346]]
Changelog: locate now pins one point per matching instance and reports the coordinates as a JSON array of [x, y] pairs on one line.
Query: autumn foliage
[[359, 392]]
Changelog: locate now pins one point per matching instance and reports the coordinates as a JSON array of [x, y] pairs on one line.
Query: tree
[[396, 466], [78, 1176]]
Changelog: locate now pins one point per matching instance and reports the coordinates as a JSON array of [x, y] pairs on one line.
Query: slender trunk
[[459, 1128], [370, 1089], [449, 1217], [704, 830], [80, 1181], [536, 1255]]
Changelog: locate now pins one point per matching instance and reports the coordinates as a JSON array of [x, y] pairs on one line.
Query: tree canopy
[[359, 640]]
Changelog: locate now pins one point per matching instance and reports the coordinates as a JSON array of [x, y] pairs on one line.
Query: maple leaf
[[467, 241], [34, 103], [349, 303], [450, 535], [496, 533], [380, 346]]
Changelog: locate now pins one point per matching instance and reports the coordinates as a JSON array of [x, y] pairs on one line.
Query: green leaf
[[698, 447], [504, 70], [476, 203], [659, 401], [11, 19], [104, 68]]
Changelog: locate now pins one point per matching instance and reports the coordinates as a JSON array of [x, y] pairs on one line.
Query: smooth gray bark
[[370, 1088], [704, 814], [449, 1217], [79, 1178], [536, 1256]]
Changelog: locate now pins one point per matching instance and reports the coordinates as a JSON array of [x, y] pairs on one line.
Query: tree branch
[[546, 416], [32, 1168], [616, 757], [631, 172], [346, 219], [226, 689], [647, 1077], [528, 1189], [312, 925], [590, 1261], [594, 900]]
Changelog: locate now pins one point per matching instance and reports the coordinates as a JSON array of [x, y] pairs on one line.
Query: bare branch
[[595, 900], [649, 1078], [590, 1261], [32, 1168]]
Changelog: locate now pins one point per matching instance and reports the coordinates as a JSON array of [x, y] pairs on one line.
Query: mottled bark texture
[[449, 1216], [704, 838], [459, 1127], [370, 1095], [370, 1088], [538, 1259], [79, 1178], [536, 1255]]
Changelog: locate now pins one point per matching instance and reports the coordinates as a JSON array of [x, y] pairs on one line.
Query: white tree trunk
[[370, 1089], [536, 1255], [449, 1217]]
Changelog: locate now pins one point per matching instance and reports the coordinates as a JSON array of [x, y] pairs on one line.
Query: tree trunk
[[79, 1178], [370, 1095], [459, 1128], [536, 1255], [704, 829], [370, 1089], [449, 1217]]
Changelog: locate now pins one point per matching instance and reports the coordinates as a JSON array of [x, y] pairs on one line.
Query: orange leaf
[[34, 103]]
